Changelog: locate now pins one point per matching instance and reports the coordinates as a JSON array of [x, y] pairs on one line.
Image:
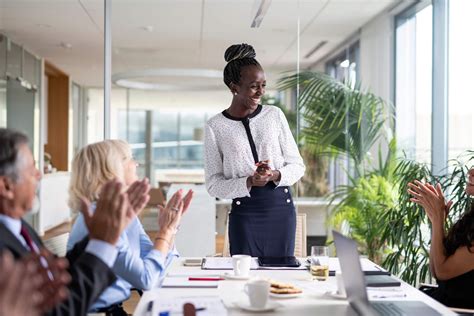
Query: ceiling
[[190, 34]]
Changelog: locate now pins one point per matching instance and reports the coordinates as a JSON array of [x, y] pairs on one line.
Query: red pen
[[205, 279]]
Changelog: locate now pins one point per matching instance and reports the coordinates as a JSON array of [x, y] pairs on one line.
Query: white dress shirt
[[228, 159], [102, 250]]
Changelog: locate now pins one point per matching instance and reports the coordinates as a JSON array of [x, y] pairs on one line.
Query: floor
[[132, 302]]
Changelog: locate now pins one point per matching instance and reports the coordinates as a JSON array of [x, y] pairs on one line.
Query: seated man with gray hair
[[90, 261]]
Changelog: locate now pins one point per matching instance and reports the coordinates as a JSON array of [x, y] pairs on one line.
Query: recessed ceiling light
[[344, 64], [129, 79], [46, 26], [66, 45], [148, 28]]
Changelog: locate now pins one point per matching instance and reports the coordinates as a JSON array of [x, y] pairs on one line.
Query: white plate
[[229, 276], [292, 295], [336, 295], [245, 305]]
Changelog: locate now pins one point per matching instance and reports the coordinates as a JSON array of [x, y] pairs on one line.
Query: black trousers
[[263, 224]]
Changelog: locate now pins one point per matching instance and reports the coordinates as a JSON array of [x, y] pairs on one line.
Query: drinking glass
[[320, 262]]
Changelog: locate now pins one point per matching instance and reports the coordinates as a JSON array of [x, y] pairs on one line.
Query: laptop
[[356, 291]]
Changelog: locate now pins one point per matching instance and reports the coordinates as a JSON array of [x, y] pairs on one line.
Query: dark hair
[[10, 141], [237, 57], [461, 233]]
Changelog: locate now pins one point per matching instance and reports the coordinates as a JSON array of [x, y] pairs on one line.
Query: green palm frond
[[339, 119]]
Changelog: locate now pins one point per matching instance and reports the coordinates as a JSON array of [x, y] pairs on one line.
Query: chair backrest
[[57, 244], [226, 250], [300, 237], [156, 197]]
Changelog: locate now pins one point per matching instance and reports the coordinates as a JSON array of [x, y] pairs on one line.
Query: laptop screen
[[352, 274]]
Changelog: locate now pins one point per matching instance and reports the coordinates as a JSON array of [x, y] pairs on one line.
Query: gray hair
[[10, 142]]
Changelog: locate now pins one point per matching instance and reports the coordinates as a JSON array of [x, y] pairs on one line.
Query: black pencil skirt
[[263, 224]]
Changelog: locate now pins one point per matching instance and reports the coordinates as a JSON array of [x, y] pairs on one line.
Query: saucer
[[229, 276], [245, 305], [292, 295], [336, 295]]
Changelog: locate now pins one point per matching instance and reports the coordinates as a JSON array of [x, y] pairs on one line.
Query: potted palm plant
[[391, 230], [341, 120]]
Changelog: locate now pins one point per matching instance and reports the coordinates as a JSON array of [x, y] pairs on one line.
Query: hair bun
[[239, 51]]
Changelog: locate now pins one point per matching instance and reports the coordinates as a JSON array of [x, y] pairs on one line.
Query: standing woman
[[262, 220]]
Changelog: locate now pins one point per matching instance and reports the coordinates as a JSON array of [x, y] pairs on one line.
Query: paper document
[[385, 292], [185, 282], [223, 263], [205, 305]]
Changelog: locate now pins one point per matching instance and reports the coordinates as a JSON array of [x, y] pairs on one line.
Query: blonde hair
[[93, 166]]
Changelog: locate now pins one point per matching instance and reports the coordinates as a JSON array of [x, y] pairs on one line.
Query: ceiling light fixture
[[130, 80], [65, 45], [316, 48], [148, 28], [344, 64], [261, 11]]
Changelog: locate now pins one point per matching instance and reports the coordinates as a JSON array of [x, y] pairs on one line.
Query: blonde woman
[[140, 261]]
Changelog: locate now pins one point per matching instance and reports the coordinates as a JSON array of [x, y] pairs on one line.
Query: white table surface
[[313, 301]]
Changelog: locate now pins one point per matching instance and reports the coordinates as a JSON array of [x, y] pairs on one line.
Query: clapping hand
[[19, 287], [470, 182], [169, 217], [259, 180], [432, 199], [32, 285], [138, 195], [54, 278]]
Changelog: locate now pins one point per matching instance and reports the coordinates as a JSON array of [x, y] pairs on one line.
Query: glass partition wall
[[20, 76], [167, 74]]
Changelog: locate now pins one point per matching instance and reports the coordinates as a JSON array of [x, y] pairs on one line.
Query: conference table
[[317, 298]]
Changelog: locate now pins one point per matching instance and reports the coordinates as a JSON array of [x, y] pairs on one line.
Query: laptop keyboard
[[388, 309]]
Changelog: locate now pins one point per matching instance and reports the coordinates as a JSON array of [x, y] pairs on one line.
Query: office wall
[[376, 63], [376, 56]]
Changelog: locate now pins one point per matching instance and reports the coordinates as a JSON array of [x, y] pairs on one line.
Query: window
[[461, 68], [414, 82], [177, 138], [344, 67]]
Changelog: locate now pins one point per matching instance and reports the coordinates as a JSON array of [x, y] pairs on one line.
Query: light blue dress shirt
[[138, 264], [102, 250]]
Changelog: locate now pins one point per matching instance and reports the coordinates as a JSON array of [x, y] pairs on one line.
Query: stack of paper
[[206, 305], [223, 263]]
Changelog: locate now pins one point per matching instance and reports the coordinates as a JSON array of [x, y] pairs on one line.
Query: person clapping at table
[[451, 254], [89, 262], [140, 261]]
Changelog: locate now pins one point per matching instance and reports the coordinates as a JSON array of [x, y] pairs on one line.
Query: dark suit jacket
[[90, 275]]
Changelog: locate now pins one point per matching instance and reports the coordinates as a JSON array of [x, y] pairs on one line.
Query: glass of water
[[320, 262]]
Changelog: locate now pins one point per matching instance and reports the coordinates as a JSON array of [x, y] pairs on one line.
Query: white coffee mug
[[257, 292], [241, 265], [341, 290]]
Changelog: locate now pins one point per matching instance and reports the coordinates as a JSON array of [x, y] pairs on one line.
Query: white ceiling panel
[[179, 33]]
